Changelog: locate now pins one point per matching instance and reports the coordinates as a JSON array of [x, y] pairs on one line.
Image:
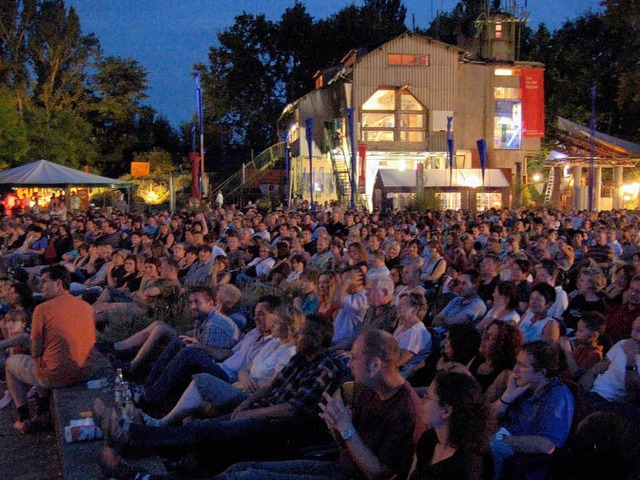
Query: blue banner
[[482, 152], [309, 131], [450, 150], [199, 100]]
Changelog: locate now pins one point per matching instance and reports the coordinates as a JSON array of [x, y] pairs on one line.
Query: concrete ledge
[[80, 460]]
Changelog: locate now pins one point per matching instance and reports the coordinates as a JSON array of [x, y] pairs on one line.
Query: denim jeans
[[285, 470], [172, 372], [220, 442], [500, 452], [210, 433], [223, 396]]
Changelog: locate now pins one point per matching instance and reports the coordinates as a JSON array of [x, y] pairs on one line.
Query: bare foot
[[114, 466]]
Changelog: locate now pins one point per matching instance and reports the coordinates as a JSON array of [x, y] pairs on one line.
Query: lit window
[[378, 120], [507, 124], [382, 99], [409, 60], [507, 93], [505, 72], [393, 116], [449, 200], [411, 136], [487, 200], [498, 30], [409, 102]]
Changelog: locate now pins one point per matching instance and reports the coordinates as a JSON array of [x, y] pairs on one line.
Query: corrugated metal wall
[[434, 85]]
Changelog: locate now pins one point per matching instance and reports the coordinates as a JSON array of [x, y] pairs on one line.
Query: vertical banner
[[532, 85], [362, 152], [354, 160], [309, 133], [287, 167], [450, 150], [194, 159], [201, 157], [482, 152]]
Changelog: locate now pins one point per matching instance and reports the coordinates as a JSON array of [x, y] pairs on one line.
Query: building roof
[[460, 177], [573, 146], [357, 54]]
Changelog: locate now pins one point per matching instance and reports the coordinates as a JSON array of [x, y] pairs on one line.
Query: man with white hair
[[381, 313]]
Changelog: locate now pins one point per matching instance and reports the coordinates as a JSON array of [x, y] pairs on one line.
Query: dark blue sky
[[169, 36]]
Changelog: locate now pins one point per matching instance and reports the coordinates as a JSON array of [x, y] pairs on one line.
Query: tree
[[160, 161], [117, 89], [13, 132], [243, 93], [457, 25], [260, 66], [62, 137], [119, 86], [16, 23], [60, 56]]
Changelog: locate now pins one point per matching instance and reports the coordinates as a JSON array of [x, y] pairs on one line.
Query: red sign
[[532, 84], [362, 152]]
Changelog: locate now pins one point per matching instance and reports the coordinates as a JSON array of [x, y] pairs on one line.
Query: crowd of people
[[436, 344]]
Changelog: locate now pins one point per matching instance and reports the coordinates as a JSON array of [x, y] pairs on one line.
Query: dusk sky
[[168, 36]]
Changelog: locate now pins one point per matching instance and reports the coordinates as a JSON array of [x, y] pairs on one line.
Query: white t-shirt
[[610, 384], [350, 316], [416, 340], [512, 316], [271, 359], [560, 305]]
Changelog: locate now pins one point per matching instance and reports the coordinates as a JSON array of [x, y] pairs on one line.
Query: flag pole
[[199, 102]]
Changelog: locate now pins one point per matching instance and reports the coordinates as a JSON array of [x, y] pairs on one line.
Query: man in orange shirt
[[63, 336]]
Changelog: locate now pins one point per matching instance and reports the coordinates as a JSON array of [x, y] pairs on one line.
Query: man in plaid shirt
[[213, 332], [250, 429]]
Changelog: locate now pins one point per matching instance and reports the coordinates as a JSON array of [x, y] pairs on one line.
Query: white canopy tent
[[43, 173]]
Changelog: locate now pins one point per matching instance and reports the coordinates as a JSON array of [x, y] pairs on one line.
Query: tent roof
[[462, 177], [465, 177], [43, 173], [397, 178]]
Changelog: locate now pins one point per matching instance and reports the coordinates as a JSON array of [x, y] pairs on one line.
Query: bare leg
[[190, 402], [156, 333], [17, 389], [137, 339]]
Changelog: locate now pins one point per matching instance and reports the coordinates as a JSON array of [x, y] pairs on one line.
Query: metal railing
[[255, 168]]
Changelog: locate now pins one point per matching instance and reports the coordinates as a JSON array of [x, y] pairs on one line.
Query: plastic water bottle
[[128, 409], [119, 388]]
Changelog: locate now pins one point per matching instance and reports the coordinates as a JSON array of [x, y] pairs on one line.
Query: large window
[[392, 115], [410, 60], [449, 200], [507, 118], [487, 200]]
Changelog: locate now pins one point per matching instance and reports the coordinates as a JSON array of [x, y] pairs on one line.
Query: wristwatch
[[632, 368], [348, 433]]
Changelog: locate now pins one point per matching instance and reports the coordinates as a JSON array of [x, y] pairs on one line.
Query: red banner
[[362, 153], [194, 158], [532, 84]]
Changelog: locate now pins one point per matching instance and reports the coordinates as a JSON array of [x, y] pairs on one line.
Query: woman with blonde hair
[[207, 395]]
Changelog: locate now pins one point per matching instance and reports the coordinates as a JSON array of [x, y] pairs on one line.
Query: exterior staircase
[[548, 193], [235, 185], [341, 169]]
